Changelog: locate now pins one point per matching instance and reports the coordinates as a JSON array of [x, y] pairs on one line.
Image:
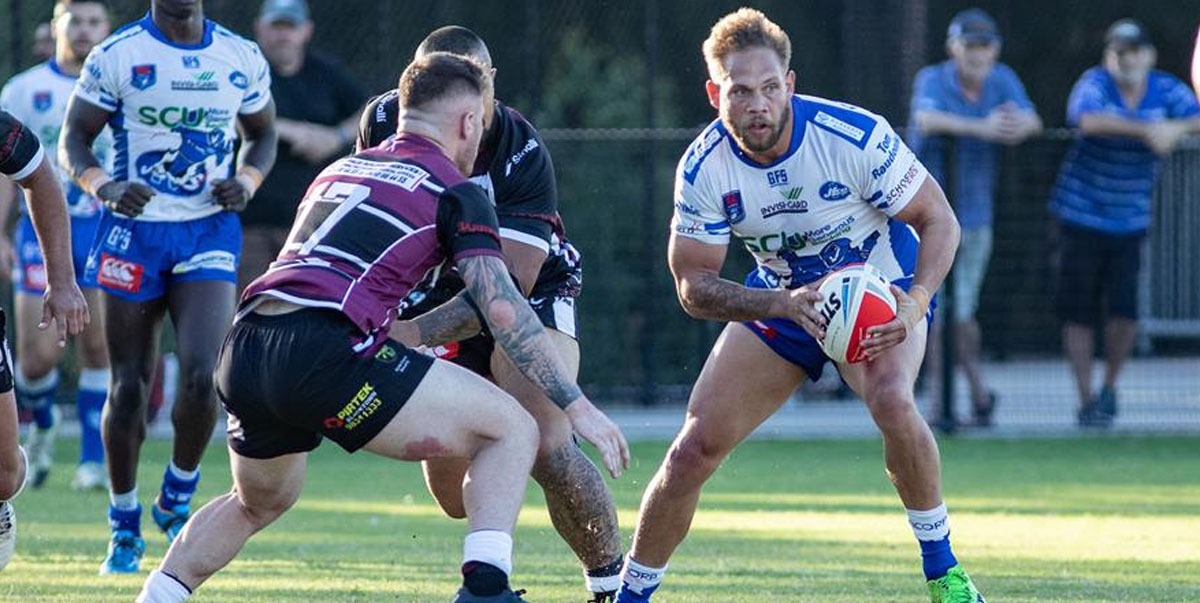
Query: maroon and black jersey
[[20, 151], [373, 226], [515, 169]]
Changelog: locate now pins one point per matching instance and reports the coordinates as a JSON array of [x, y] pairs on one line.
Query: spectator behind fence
[[317, 104], [1129, 115], [982, 104], [42, 48]]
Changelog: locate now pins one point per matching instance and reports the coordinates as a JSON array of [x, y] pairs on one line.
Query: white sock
[[163, 588], [602, 584], [639, 577], [489, 546], [95, 380], [181, 474], [931, 525], [126, 501]]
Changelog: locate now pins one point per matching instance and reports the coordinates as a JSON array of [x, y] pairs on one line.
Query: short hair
[[741, 30], [438, 76], [456, 39], [61, 6]]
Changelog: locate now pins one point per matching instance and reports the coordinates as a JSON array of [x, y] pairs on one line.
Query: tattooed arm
[[455, 320], [521, 337], [704, 294]]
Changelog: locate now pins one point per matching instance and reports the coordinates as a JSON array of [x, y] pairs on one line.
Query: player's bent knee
[[553, 434], [891, 402], [694, 457], [197, 378], [263, 508]]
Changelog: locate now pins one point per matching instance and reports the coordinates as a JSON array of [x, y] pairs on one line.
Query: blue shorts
[[137, 260], [792, 343], [29, 273]]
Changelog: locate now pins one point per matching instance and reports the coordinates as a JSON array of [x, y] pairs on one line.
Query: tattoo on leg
[[581, 507]]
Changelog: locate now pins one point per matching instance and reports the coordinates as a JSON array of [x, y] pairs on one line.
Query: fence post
[[649, 394], [949, 361]]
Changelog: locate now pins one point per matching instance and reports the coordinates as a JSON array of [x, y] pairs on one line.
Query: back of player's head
[[744, 29], [440, 76], [61, 6], [455, 39]]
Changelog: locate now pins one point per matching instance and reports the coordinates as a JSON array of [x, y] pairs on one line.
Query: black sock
[[611, 569], [484, 579]]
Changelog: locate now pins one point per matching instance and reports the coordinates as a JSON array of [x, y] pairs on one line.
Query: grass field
[[1093, 519]]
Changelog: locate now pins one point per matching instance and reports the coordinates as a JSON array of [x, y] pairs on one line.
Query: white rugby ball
[[854, 299]]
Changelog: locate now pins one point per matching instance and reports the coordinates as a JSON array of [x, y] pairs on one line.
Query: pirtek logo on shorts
[[120, 274]]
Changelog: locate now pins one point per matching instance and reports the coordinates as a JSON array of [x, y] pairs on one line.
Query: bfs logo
[[777, 178], [120, 274]]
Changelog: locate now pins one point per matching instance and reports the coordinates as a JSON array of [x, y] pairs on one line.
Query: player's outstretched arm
[[81, 127], [63, 303], [259, 143], [522, 338], [704, 294]]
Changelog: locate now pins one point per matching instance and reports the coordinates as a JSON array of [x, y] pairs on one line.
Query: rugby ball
[[854, 299]]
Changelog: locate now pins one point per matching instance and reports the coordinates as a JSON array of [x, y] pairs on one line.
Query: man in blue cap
[[1129, 116], [982, 104]]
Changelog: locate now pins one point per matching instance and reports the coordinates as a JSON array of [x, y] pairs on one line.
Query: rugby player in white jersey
[[177, 91], [809, 186], [38, 97]]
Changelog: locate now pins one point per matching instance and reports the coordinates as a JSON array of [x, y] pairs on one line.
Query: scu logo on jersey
[[735, 210], [143, 76], [834, 191]]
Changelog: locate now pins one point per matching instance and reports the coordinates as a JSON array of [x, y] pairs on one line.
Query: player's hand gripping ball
[[854, 299]]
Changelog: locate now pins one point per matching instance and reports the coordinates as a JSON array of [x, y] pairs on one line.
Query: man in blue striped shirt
[[1129, 115]]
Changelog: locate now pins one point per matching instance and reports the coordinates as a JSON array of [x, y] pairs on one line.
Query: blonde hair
[[740, 30]]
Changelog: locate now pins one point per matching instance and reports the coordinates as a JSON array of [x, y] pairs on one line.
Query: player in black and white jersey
[[515, 169], [23, 159]]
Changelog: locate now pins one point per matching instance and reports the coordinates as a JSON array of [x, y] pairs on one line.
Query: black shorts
[[288, 380], [6, 362], [1095, 268], [475, 354]]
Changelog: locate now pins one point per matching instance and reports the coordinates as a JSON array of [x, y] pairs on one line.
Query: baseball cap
[[973, 24], [1127, 33], [295, 11]]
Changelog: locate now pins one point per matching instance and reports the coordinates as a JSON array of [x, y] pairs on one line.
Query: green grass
[[1092, 519]]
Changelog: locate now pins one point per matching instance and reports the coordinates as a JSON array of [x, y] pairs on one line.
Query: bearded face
[[754, 100]]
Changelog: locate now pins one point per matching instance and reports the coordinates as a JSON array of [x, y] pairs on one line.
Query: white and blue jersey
[[38, 97], [829, 201], [1107, 182], [174, 117], [174, 110]]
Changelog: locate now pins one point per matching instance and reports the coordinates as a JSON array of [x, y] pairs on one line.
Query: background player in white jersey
[[38, 97], [809, 186], [23, 160], [176, 89]]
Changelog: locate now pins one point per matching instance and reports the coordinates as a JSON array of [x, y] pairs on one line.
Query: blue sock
[[38, 394], [125, 519], [937, 558], [89, 403], [932, 529], [177, 486]]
